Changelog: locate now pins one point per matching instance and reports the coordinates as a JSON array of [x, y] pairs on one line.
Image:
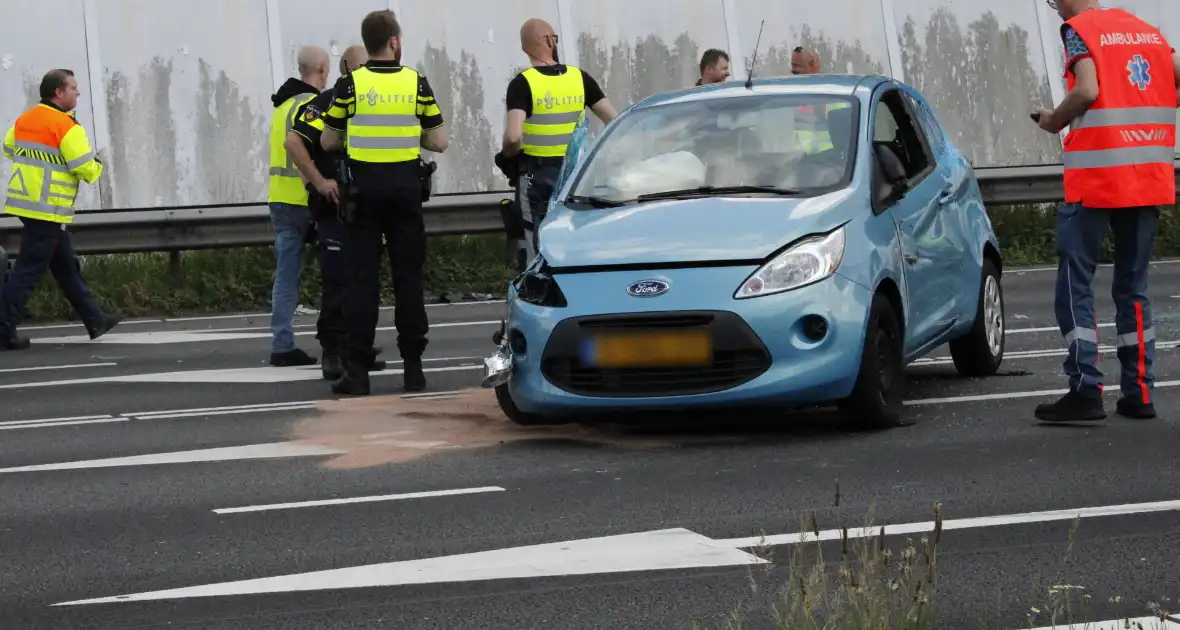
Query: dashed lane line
[[352, 500]]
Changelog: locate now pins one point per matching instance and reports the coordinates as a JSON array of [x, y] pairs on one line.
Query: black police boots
[[413, 378], [355, 381], [13, 342], [333, 364]]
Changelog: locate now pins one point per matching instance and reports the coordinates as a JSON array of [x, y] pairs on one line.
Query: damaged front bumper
[[498, 367]]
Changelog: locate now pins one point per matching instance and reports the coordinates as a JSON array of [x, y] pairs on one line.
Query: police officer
[[386, 113], [1123, 79], [545, 103], [321, 170]]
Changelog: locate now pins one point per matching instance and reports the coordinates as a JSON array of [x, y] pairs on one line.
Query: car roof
[[820, 84]]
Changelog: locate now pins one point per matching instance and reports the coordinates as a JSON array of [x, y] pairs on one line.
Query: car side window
[[928, 122], [896, 129]]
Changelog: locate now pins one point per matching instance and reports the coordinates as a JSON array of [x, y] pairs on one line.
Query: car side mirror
[[892, 172]]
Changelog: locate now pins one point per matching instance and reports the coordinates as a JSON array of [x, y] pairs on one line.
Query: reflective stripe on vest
[[1121, 152], [42, 185], [285, 184], [385, 127], [559, 103]]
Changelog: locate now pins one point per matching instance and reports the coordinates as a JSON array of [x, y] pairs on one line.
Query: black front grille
[[738, 356]]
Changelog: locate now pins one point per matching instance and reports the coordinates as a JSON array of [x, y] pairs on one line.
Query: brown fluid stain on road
[[390, 429]]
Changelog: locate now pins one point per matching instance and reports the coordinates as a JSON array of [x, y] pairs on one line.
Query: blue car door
[[919, 214]]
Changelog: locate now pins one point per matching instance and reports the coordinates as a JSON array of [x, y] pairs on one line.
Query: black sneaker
[[14, 343], [413, 378], [1130, 408], [109, 321], [1072, 407], [292, 358]]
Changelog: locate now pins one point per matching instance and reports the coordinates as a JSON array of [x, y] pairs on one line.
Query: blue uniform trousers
[[1080, 232]]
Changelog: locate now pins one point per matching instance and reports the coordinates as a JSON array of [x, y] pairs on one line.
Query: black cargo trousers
[[388, 206], [329, 231]]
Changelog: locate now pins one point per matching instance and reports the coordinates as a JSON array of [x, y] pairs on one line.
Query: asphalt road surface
[[169, 457]]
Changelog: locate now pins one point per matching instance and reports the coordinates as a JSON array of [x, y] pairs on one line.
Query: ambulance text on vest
[[1129, 39]]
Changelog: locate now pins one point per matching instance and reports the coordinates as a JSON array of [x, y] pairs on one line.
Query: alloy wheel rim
[[993, 314]]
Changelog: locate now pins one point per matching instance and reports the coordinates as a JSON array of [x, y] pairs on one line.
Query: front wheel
[[508, 406], [876, 400], [981, 351]]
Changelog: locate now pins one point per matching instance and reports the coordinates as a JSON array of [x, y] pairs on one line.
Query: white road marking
[[202, 318], [1126, 623], [1041, 354], [1007, 395], [386, 497], [228, 453], [1018, 271], [226, 412], [226, 376], [59, 423], [159, 337], [647, 551], [962, 523], [39, 368], [665, 549], [45, 420], [1017, 331]]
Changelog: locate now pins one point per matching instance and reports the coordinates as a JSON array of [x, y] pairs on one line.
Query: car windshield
[[799, 145]]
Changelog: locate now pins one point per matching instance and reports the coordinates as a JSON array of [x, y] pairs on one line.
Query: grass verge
[[220, 281], [872, 584]]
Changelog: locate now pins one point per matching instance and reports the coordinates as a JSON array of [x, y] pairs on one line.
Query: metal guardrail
[[219, 227]]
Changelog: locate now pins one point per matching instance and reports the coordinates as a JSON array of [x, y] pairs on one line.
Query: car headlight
[[804, 263], [537, 286]]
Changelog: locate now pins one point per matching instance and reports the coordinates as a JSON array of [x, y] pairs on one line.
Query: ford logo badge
[[647, 288]]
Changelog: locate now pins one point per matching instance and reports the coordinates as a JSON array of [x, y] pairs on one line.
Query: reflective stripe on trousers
[[1080, 232]]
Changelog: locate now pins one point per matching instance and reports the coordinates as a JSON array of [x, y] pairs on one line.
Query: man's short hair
[[377, 29], [53, 81], [711, 57]]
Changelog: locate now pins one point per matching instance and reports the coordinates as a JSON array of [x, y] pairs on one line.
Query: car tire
[[877, 398], [981, 351], [508, 406]]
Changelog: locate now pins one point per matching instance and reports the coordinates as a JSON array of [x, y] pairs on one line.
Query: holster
[[513, 222], [426, 177], [348, 192]]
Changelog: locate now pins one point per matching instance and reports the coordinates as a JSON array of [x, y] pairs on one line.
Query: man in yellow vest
[[545, 103], [51, 156], [811, 126], [289, 214], [385, 114]]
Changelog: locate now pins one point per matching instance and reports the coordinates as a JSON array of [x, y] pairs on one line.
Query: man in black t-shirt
[[321, 169], [545, 103]]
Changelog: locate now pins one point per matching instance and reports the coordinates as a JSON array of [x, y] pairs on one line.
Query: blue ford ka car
[[792, 243]]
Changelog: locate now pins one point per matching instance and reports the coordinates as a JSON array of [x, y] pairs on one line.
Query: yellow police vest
[[51, 155], [285, 184], [559, 103], [385, 127]]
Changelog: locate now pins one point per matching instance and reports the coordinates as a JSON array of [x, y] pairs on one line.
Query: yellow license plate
[[652, 349]]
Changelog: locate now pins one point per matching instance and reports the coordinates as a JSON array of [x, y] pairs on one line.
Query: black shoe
[[354, 383], [413, 378], [14, 343], [292, 358], [377, 366], [333, 367], [109, 321], [1072, 407], [1130, 408]]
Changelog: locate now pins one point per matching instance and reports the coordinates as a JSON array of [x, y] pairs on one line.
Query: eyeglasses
[[1052, 4], [553, 37]]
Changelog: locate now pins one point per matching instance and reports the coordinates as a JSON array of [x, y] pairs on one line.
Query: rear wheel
[[508, 406], [876, 400], [981, 351]]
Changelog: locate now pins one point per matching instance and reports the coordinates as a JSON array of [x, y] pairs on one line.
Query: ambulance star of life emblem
[[1139, 72]]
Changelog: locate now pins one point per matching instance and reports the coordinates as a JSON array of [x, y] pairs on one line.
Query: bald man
[[321, 169], [545, 104], [287, 197], [804, 61]]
